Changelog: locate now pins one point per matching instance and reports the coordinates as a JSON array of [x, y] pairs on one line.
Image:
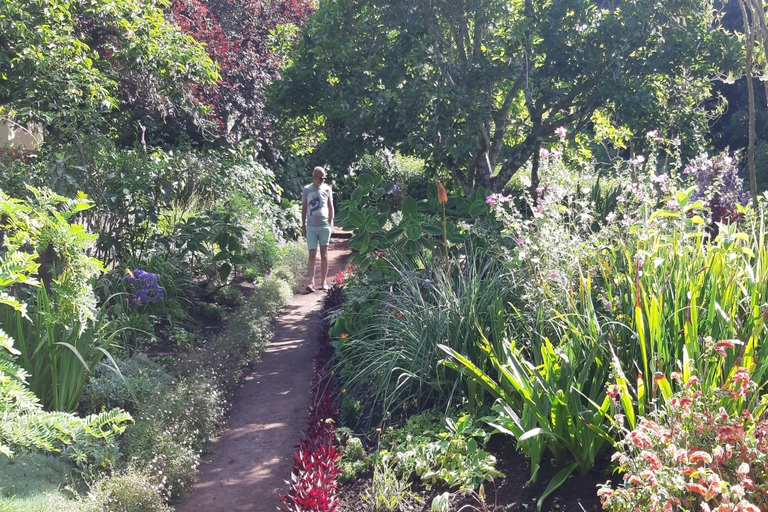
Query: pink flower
[[640, 439], [650, 477], [652, 459], [697, 488], [700, 456], [722, 345], [604, 492], [561, 132]]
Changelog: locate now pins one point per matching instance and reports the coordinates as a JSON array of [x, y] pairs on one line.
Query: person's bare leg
[[311, 266], [323, 264]]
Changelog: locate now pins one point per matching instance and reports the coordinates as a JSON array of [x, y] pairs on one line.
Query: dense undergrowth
[[122, 347], [573, 321]]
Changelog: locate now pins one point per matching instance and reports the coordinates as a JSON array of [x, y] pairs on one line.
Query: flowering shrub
[[693, 454], [493, 199], [145, 286], [717, 184]]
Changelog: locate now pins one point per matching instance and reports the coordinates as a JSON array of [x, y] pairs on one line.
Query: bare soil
[[253, 457]]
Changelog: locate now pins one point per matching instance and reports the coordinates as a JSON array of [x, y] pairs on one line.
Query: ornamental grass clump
[[705, 449]]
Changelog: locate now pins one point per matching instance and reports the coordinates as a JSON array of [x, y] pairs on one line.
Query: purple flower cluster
[[145, 286], [717, 181]]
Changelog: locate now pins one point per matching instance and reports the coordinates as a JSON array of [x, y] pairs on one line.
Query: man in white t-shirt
[[316, 225]]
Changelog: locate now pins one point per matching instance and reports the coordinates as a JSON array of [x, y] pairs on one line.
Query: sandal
[[325, 286], [310, 287]]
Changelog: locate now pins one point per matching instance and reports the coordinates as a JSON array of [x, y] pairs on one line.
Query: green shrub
[[293, 263], [191, 411], [181, 337], [132, 325], [261, 248], [388, 491], [271, 295], [251, 273], [285, 274], [57, 334], [211, 311], [440, 451], [230, 296], [353, 459], [126, 491], [138, 380], [155, 449], [224, 357], [393, 320]]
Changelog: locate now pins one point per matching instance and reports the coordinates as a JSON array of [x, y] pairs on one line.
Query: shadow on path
[[253, 457]]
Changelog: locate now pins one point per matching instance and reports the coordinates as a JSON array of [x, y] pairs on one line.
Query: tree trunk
[[749, 35]]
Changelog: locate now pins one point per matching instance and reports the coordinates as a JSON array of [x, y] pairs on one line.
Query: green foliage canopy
[[61, 61], [476, 86]]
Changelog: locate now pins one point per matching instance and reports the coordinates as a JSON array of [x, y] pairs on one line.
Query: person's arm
[[304, 218], [330, 208]]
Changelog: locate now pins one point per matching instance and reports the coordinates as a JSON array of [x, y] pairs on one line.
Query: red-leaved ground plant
[[703, 450], [313, 486]]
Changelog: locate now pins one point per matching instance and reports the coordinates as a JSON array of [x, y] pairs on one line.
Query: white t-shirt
[[317, 204]]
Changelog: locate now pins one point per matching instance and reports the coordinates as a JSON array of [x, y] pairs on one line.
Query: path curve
[[253, 456]]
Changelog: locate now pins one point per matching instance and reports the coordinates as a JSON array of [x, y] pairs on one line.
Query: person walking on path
[[316, 225]]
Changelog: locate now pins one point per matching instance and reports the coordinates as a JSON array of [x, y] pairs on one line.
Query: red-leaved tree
[[239, 36]]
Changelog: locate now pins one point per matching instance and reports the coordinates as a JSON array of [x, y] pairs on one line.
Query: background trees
[[475, 87], [244, 38], [62, 62]]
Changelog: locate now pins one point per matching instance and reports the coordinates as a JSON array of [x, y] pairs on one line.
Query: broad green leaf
[[557, 480], [410, 208], [366, 182], [357, 195], [478, 208], [413, 231], [433, 227], [356, 218]]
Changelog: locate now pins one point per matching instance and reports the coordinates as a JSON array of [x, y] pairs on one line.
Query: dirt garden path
[[253, 457]]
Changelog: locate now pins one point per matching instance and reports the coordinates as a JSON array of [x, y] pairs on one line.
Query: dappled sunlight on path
[[253, 457]]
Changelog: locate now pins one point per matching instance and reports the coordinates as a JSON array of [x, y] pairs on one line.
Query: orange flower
[[442, 195], [344, 336]]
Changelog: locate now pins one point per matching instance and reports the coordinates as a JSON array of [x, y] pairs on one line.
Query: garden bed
[[510, 494]]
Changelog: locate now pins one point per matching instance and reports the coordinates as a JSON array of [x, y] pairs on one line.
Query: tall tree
[[755, 31], [61, 60], [476, 86], [240, 36]]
